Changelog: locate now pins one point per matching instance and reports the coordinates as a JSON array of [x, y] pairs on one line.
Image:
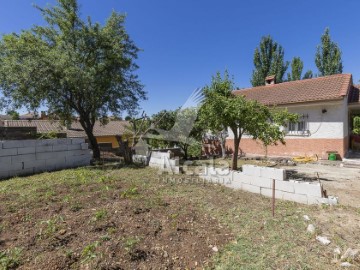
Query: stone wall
[[26, 157], [260, 180]]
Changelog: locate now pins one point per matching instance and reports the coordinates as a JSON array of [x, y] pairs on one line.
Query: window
[[299, 128]]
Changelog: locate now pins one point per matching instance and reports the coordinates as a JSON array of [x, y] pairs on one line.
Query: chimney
[[270, 80]]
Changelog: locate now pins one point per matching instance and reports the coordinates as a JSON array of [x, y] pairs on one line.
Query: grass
[[44, 204]]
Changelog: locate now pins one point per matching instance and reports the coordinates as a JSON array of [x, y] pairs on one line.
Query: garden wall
[[25, 157], [260, 180]]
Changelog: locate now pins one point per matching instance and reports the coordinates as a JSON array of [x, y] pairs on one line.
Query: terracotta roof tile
[[317, 89], [45, 126]]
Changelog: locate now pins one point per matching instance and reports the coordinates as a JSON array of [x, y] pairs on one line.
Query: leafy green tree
[[72, 66], [328, 56], [308, 75], [224, 109], [296, 69], [184, 129], [14, 114], [268, 60]]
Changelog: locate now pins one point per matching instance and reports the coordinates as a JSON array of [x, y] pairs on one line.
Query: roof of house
[[5, 117], [112, 128], [325, 88]]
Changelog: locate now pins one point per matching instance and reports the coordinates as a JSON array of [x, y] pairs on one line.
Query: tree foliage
[[297, 66], [268, 60], [73, 66], [221, 108], [180, 127], [328, 56], [308, 75]]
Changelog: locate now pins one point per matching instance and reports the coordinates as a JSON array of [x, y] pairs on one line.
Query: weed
[[10, 259], [101, 214], [76, 207], [88, 253], [111, 230], [130, 243], [51, 226], [130, 193], [105, 238]]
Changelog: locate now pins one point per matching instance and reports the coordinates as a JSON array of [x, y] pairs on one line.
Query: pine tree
[[268, 60]]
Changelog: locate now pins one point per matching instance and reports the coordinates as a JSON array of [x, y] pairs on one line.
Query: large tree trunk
[[93, 143], [88, 128]]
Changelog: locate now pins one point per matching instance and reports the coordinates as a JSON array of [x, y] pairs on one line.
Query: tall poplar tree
[[296, 69], [268, 60], [328, 56]]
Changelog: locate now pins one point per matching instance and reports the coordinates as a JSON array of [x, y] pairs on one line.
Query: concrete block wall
[[25, 157], [259, 180], [164, 162]]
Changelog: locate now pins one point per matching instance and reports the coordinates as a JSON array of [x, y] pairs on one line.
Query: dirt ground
[[341, 182]]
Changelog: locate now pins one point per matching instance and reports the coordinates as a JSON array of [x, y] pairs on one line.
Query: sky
[[185, 42]]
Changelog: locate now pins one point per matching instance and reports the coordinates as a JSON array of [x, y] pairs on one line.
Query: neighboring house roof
[[5, 117], [317, 89], [354, 94], [112, 128], [30, 115]]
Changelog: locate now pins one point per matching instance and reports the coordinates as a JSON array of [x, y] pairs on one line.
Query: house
[[105, 134], [326, 106]]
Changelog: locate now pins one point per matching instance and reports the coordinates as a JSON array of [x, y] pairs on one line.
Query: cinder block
[[26, 150], [8, 152], [299, 198], [44, 148], [273, 173], [21, 172], [284, 186], [74, 147], [12, 144], [250, 188], [46, 142], [241, 177], [56, 163], [251, 170], [4, 174], [12, 166], [5, 160], [34, 163], [60, 147], [307, 188], [235, 184], [84, 146], [30, 143], [63, 141], [268, 193], [77, 140], [23, 158], [49, 155], [261, 182]]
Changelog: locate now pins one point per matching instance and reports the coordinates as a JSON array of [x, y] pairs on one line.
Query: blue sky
[[185, 42]]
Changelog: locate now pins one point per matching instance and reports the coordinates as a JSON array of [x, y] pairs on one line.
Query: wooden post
[[273, 198]]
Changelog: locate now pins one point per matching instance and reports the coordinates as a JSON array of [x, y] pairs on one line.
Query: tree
[[72, 66], [224, 109], [328, 56], [14, 114], [180, 127], [222, 86], [296, 69], [268, 60], [308, 75]]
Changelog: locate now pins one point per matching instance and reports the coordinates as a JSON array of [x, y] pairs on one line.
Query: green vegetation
[[328, 56], [10, 259], [268, 60], [222, 109], [60, 60]]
